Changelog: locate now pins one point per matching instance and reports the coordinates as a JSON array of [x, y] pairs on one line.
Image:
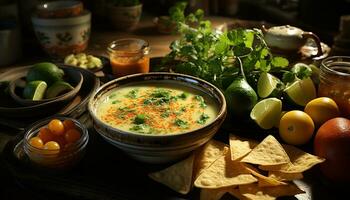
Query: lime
[[267, 112], [34, 90], [301, 91], [45, 71], [268, 85], [57, 89], [240, 97], [279, 119]]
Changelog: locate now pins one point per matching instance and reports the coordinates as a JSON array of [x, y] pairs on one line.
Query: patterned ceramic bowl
[[59, 9], [62, 36], [159, 148]]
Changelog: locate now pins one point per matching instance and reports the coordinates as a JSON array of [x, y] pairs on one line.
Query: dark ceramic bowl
[[73, 77], [159, 148]]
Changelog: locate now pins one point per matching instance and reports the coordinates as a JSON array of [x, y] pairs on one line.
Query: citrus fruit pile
[[56, 135], [246, 169], [44, 81]]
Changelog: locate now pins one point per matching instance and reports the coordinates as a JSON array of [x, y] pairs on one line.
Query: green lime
[[268, 85], [57, 89], [45, 71], [240, 97], [277, 124], [34, 90], [301, 91], [267, 112]]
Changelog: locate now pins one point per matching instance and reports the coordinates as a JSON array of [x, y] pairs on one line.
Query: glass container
[[129, 56], [335, 82]]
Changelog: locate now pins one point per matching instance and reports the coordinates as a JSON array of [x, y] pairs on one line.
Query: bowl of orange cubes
[[58, 142]]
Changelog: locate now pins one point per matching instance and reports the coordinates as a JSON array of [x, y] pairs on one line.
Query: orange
[[296, 127], [322, 109]]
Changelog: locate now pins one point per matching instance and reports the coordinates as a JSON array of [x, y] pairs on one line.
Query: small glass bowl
[[64, 158]]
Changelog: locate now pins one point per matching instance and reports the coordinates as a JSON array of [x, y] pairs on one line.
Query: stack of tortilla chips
[[246, 169]]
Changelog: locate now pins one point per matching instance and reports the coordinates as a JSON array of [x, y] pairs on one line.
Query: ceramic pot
[[59, 9], [124, 18], [63, 36], [10, 42], [164, 24], [288, 39]]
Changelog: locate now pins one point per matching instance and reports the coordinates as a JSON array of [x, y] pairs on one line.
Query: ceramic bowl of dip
[[157, 117]]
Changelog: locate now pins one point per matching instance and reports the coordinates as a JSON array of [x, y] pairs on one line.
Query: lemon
[[57, 89], [34, 90], [301, 91], [322, 109], [296, 127], [266, 113], [268, 85], [45, 71]]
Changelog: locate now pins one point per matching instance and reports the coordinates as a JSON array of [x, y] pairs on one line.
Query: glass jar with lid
[[335, 82], [129, 56]]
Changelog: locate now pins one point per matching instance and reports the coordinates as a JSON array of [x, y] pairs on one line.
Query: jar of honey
[[335, 82], [129, 56]]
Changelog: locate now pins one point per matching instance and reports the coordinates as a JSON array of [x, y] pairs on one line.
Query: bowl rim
[[84, 17], [221, 113], [57, 5], [28, 102]]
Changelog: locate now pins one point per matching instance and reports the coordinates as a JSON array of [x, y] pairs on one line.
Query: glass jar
[[335, 82], [129, 56]]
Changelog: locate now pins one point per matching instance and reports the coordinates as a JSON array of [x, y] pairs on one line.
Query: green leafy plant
[[126, 2]]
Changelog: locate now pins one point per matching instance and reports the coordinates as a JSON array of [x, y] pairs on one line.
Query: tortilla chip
[[206, 155], [268, 152], [212, 194], [258, 196], [240, 146], [300, 161], [269, 192], [223, 173], [178, 176], [264, 181], [285, 176]]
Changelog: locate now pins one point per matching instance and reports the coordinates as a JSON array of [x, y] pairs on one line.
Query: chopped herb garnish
[[183, 109], [161, 93], [181, 123], [140, 128], [140, 119], [125, 109], [147, 101], [165, 114], [115, 101], [201, 101], [132, 94], [112, 95], [203, 118], [183, 96]]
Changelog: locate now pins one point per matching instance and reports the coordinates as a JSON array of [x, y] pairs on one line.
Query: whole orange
[[322, 109], [332, 142], [296, 127]]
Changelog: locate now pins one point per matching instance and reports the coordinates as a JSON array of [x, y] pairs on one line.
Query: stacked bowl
[[62, 27]]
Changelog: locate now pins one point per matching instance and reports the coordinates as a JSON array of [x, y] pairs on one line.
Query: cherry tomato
[[36, 142], [56, 127], [45, 135], [52, 145], [60, 140], [72, 135], [68, 124]]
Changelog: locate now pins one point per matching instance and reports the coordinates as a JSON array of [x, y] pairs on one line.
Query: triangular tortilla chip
[[281, 176], [223, 173], [300, 161], [206, 155], [240, 146], [269, 192], [263, 181], [268, 152], [178, 176]]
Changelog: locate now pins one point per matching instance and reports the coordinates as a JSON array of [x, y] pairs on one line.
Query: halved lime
[[35, 90], [267, 112], [58, 88], [277, 124], [267, 84], [301, 91]]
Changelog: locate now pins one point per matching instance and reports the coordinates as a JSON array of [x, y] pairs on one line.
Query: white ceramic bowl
[[159, 148], [63, 36]]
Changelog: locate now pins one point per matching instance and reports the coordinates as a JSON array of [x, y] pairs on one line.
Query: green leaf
[[288, 77], [181, 123], [279, 62], [203, 118], [140, 119]]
